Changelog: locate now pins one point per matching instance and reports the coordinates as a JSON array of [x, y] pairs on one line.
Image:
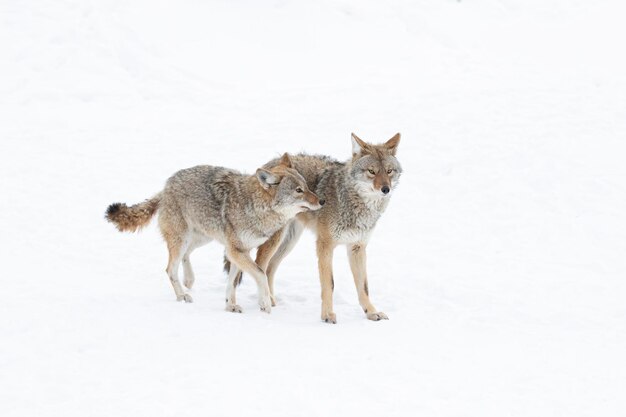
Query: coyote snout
[[312, 202], [293, 195]]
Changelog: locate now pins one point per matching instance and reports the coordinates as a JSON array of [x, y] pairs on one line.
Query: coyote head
[[375, 167], [288, 188]]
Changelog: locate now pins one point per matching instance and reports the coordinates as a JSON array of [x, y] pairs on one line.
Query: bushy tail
[[133, 218]]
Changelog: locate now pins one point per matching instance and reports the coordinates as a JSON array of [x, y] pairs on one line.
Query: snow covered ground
[[500, 261]]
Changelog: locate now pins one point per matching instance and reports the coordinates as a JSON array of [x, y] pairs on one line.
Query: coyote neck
[[360, 197], [260, 208]]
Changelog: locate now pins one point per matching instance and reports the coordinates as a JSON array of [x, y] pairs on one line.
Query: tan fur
[[207, 203], [268, 250], [133, 218], [325, 247], [348, 217], [357, 258]]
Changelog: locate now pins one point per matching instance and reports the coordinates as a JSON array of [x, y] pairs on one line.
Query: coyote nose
[[322, 202], [385, 189]]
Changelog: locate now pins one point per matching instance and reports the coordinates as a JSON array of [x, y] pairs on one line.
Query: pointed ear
[[285, 161], [358, 146], [266, 178], [392, 144]]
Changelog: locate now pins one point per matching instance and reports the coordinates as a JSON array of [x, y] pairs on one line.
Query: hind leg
[[177, 246], [177, 237], [188, 271], [234, 279]]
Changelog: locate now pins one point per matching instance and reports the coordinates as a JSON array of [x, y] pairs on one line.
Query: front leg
[[357, 257], [243, 261], [325, 247], [264, 254], [291, 234]]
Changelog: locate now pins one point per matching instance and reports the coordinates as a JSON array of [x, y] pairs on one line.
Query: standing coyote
[[206, 203], [356, 193]]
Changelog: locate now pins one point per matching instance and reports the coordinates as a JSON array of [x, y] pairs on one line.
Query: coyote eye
[[299, 190], [371, 171], [389, 171]]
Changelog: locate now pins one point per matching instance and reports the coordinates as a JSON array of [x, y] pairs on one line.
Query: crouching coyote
[[207, 203]]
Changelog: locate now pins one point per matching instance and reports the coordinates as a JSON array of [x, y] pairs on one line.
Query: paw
[[185, 297], [265, 304], [329, 317], [189, 283], [377, 316], [234, 308], [273, 299]]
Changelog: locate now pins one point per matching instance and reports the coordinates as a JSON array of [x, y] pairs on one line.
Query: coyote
[[206, 203], [356, 193]]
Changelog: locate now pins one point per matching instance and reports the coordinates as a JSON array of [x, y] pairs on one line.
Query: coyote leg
[[325, 264], [357, 257], [270, 261], [176, 247], [189, 275], [231, 290], [243, 261]]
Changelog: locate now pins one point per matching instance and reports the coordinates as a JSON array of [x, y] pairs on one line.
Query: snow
[[500, 260]]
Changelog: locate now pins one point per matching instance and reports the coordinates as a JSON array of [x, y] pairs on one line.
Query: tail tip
[[112, 210]]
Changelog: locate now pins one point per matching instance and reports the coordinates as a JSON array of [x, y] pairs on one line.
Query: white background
[[500, 260]]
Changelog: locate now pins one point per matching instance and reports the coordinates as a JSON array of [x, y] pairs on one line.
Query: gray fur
[[352, 205], [357, 192], [214, 202], [206, 203]]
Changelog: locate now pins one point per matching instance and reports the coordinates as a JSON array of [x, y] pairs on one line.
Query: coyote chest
[[352, 236], [356, 219], [257, 228], [355, 228], [251, 239]]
